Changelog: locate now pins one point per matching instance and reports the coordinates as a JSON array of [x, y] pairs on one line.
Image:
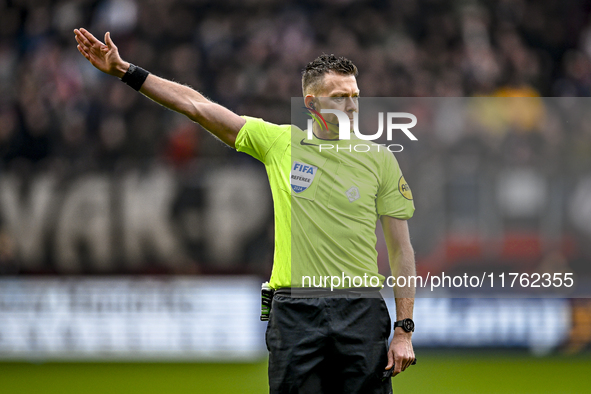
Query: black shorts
[[328, 345]]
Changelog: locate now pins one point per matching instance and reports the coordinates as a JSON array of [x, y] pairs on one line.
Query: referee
[[326, 204]]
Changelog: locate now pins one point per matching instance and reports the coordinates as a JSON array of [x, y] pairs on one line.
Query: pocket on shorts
[[388, 326]]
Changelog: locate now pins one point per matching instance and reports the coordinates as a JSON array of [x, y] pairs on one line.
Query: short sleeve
[[257, 137], [394, 196]]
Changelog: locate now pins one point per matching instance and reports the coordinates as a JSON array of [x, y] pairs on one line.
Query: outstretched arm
[[217, 119], [402, 263]]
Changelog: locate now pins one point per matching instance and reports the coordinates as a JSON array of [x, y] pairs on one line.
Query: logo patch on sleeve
[[301, 176], [404, 189]]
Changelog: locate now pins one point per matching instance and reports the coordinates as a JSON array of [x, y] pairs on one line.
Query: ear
[[309, 101]]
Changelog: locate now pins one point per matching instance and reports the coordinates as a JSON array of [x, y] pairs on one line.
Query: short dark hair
[[323, 64]]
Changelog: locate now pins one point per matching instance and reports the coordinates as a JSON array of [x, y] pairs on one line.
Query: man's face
[[340, 92]]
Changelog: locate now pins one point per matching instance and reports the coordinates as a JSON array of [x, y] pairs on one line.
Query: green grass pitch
[[437, 372]]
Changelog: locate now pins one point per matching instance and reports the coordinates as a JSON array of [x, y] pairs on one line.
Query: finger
[[86, 55], [390, 360], [85, 47], [80, 42], [403, 363], [108, 40], [398, 364], [93, 43], [81, 38], [78, 36], [88, 35], [411, 360], [406, 363]]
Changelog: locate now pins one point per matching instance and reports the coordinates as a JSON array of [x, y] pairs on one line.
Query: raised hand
[[220, 121], [104, 57]]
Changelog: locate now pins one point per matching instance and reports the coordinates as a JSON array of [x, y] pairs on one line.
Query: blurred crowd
[[59, 115], [57, 111]]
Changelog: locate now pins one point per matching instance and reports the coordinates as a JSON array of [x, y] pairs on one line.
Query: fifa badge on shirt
[[301, 176]]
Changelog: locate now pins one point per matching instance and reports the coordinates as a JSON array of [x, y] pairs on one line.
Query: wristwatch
[[407, 325]]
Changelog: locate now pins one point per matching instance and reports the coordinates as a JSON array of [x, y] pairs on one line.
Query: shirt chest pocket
[[354, 192], [304, 177]]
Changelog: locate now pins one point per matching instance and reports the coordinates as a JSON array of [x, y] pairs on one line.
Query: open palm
[[105, 57]]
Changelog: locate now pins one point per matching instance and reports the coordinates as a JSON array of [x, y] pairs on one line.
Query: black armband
[[135, 76]]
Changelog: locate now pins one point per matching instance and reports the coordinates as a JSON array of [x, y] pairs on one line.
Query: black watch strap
[[406, 324]]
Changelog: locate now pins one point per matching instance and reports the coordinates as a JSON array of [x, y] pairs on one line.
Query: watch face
[[408, 325]]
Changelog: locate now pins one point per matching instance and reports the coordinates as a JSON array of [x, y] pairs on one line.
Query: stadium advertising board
[[131, 319], [216, 319]]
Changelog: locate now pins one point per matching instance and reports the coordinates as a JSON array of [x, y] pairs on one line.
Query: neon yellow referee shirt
[[326, 202]]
